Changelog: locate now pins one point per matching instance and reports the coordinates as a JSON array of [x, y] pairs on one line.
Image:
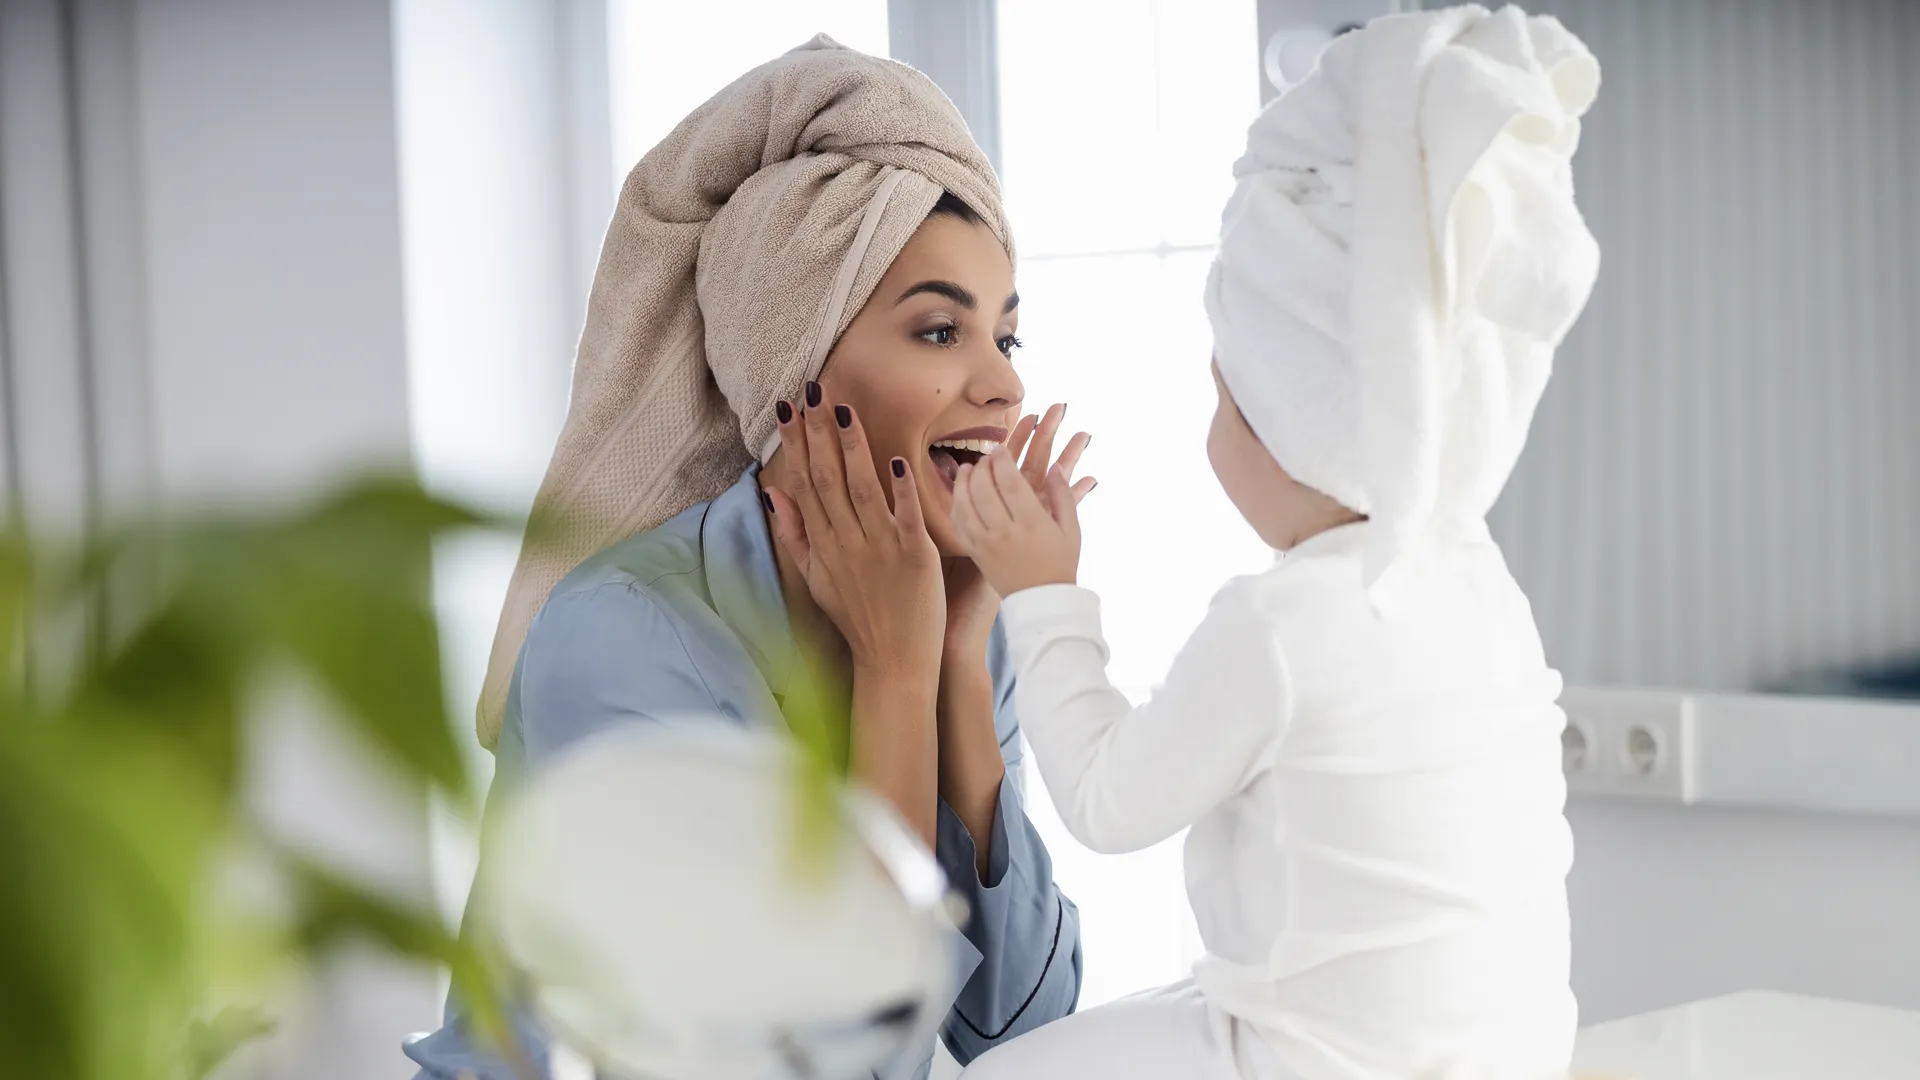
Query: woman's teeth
[[949, 454], [977, 446]]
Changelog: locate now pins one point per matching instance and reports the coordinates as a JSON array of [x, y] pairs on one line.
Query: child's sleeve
[[1125, 778]]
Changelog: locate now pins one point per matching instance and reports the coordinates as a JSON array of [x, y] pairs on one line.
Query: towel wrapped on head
[[740, 249], [1400, 259]]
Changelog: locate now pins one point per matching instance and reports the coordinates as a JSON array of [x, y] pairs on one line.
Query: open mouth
[[963, 448]]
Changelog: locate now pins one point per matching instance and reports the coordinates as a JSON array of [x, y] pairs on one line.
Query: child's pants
[[1170, 1033]]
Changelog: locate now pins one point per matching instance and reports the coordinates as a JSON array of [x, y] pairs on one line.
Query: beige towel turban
[[740, 248]]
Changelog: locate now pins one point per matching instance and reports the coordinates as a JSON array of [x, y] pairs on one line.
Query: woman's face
[[926, 363]]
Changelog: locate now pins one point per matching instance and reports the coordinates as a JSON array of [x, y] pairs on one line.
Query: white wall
[[1722, 488], [1673, 905], [269, 167]]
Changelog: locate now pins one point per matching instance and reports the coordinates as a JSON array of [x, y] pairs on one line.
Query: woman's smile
[[965, 447]]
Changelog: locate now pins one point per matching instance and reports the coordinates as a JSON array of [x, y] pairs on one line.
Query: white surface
[[1757, 1035]]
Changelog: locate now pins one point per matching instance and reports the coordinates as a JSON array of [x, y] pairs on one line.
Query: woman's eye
[[940, 335], [1008, 344]]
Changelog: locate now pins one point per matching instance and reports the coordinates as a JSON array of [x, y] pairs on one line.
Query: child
[[1363, 740]]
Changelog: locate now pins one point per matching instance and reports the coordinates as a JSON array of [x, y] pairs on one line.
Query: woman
[[814, 271]]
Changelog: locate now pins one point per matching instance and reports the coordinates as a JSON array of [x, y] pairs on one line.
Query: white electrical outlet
[[1633, 743]]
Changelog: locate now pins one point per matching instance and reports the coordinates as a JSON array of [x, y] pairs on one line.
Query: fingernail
[[900, 468], [813, 395], [843, 416], [784, 411], [767, 501]]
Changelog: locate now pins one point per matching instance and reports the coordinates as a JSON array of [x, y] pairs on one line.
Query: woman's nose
[[994, 382]]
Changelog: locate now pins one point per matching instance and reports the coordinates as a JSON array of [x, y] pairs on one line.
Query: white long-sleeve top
[[1378, 848]]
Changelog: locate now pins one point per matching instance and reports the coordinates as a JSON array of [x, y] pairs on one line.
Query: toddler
[[1363, 741]]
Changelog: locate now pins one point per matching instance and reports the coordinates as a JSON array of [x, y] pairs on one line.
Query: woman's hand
[[873, 570], [971, 602], [1019, 539]]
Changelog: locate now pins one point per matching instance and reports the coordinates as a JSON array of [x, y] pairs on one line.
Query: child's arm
[[1122, 778]]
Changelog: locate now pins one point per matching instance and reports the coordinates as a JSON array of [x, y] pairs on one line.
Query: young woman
[[802, 325]]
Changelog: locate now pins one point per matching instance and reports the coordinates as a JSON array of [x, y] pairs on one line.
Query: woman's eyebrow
[[956, 294], [941, 288]]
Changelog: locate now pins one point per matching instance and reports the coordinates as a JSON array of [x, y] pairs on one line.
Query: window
[[668, 58], [1115, 216]]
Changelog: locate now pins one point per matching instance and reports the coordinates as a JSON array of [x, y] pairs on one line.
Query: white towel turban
[[1400, 259]]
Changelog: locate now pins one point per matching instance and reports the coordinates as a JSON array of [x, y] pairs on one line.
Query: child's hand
[[1017, 539]]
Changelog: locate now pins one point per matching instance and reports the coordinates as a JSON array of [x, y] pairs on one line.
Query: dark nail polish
[[767, 501], [784, 411], [843, 416], [900, 468], [813, 395]]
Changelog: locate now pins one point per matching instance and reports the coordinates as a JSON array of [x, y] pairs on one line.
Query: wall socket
[[1632, 743]]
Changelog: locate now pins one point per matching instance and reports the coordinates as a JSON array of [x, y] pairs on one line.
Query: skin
[[1023, 538], [876, 584], [1284, 512]]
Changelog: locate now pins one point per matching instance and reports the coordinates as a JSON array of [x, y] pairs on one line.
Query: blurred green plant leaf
[[211, 1041], [819, 724], [100, 942], [120, 786]]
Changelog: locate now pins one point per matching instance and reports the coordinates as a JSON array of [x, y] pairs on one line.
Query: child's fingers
[[1069, 458], [983, 497], [966, 524], [907, 516], [1064, 504], [1022, 432], [1040, 453], [1015, 486]]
